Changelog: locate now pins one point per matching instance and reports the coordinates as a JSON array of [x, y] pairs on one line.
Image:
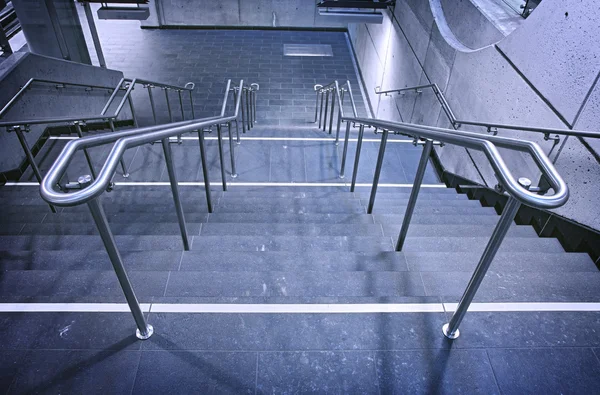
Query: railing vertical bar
[[384, 137], [220, 142], [414, 193], [175, 191], [326, 107], [231, 151], [135, 121], [152, 103], [249, 115], [168, 104], [31, 159], [144, 330], [361, 131], [205, 170], [450, 329], [317, 106], [242, 105], [345, 151], [321, 110], [86, 153], [123, 167], [332, 111]]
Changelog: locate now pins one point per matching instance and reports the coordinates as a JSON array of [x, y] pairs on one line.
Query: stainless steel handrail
[[91, 191], [124, 139], [518, 191], [339, 94], [490, 125], [487, 144]]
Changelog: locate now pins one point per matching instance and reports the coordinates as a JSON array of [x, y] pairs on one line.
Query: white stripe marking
[[244, 184], [298, 308], [69, 307], [266, 139], [526, 306], [365, 308]]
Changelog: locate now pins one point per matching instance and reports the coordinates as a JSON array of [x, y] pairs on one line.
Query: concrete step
[[452, 230], [477, 244], [254, 229], [89, 243], [475, 218], [292, 243], [392, 203], [330, 207], [120, 228]]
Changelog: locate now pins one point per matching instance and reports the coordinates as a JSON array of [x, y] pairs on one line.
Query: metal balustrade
[[90, 190], [518, 191]]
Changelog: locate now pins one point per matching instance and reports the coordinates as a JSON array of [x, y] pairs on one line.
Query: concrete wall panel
[[200, 12], [469, 25], [557, 51], [416, 34], [275, 13], [590, 118]]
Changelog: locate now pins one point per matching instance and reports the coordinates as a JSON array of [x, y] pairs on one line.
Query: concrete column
[[52, 28]]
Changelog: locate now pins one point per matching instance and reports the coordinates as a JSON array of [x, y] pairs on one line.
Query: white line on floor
[[267, 139], [243, 184], [69, 307], [527, 306], [298, 308], [342, 308]]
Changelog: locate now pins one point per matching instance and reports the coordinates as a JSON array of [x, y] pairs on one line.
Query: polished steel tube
[[345, 151], [249, 115], [175, 190], [254, 106], [168, 104], [221, 159], [317, 106], [237, 126], [508, 215], [414, 193], [205, 170], [332, 112], [135, 121], [384, 137], [337, 130], [58, 32], [326, 107], [181, 105], [231, 151], [243, 106], [192, 105], [321, 109], [144, 330], [88, 158], [94, 32], [123, 167], [30, 159], [361, 131], [152, 103]]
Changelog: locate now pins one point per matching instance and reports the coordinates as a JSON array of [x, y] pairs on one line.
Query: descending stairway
[[279, 243]]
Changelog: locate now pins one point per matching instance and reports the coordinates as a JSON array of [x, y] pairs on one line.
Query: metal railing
[[491, 127], [90, 191], [333, 90], [519, 192], [127, 85]]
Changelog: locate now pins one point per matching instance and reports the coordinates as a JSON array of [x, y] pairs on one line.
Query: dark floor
[[288, 245]]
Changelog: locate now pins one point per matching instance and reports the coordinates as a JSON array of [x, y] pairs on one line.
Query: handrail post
[[241, 92], [345, 151], [220, 142], [237, 126], [125, 172], [361, 131], [175, 190], [326, 107], [450, 329], [192, 104], [414, 193], [149, 87], [205, 170], [384, 137], [144, 330], [135, 121], [249, 117], [88, 158], [321, 109], [231, 151], [30, 158], [168, 104], [332, 111], [317, 105]]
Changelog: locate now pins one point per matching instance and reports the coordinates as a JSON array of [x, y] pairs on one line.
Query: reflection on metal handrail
[[518, 191], [91, 191]]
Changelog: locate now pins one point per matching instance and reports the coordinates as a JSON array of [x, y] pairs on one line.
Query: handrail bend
[[487, 144], [324, 90], [124, 140]]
